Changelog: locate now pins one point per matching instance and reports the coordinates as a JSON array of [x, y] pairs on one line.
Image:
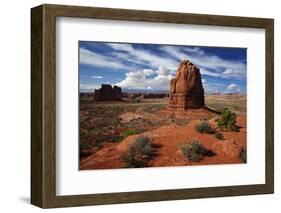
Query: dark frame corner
[[43, 102]]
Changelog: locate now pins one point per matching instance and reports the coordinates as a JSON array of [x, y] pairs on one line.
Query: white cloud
[[211, 65], [163, 66], [230, 71], [148, 72], [126, 57], [234, 73], [141, 79], [232, 88], [88, 87], [211, 87], [95, 59], [97, 77], [209, 73], [163, 71], [121, 47], [142, 56], [193, 50], [174, 52]]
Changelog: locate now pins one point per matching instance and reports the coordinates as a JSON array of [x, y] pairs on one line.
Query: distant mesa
[[108, 93], [154, 95], [145, 95], [186, 89]]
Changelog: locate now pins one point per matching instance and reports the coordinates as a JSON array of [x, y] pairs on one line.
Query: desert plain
[[109, 129]]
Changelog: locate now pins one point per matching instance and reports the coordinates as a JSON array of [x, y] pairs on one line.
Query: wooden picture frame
[[43, 105]]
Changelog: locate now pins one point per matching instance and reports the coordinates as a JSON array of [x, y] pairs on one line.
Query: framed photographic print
[[136, 106]]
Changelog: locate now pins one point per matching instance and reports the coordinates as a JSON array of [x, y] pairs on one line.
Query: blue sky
[[150, 67]]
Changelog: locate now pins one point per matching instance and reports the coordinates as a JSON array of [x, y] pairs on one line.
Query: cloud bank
[[152, 67]]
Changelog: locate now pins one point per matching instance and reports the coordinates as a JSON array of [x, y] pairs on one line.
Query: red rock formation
[[107, 93], [186, 90]]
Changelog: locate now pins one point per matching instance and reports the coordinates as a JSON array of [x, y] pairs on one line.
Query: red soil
[[168, 139]]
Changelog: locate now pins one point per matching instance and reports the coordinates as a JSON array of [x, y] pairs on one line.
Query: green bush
[[243, 155], [218, 135], [227, 121], [129, 132], [204, 127], [139, 153], [195, 151], [85, 146], [144, 145]]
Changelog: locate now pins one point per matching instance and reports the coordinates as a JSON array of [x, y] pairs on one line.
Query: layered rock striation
[[186, 89]]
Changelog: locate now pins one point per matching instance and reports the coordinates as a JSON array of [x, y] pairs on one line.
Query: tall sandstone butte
[[186, 89]]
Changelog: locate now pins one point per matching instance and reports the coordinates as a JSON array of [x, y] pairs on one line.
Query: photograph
[[161, 105], [143, 105]]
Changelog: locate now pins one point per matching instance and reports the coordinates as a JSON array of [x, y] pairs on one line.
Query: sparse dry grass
[[100, 123], [195, 151], [139, 153], [236, 103]]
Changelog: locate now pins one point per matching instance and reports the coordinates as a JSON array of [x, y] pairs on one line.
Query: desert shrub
[[218, 135], [116, 122], [195, 151], [144, 145], [204, 127], [139, 153], [85, 146], [129, 132], [227, 121], [243, 155], [86, 149], [111, 138], [217, 119]]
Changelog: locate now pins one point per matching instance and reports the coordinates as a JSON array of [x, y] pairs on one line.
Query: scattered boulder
[[108, 93], [186, 89], [129, 116]]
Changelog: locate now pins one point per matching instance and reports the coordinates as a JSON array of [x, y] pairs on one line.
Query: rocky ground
[[108, 129]]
